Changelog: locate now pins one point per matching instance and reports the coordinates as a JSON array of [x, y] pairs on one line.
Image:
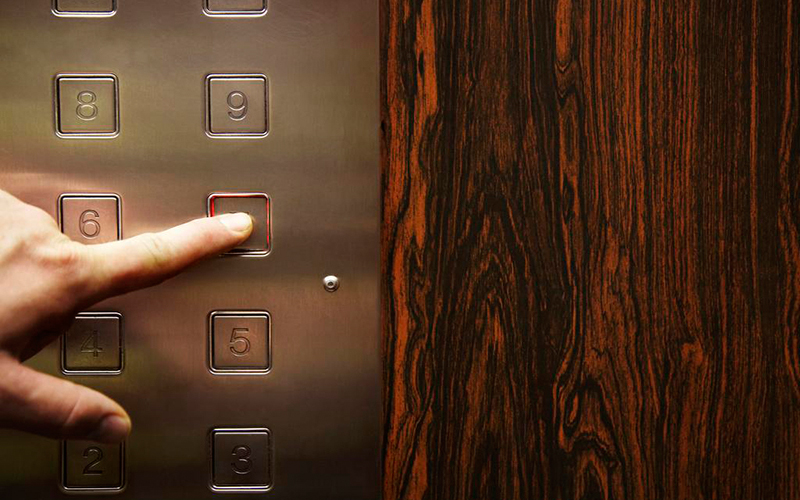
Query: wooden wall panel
[[591, 249]]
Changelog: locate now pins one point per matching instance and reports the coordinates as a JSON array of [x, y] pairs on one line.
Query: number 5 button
[[239, 342], [90, 219], [237, 106]]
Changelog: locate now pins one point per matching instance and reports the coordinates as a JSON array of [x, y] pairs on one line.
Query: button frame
[[243, 370], [238, 135], [93, 489], [235, 13], [90, 196], [62, 13], [270, 455], [57, 106], [100, 372], [245, 252]]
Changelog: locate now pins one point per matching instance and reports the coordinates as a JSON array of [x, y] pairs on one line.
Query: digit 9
[[237, 112]]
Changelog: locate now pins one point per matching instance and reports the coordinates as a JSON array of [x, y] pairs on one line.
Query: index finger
[[148, 259]]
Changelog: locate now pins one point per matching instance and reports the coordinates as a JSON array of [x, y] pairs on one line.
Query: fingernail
[[112, 429], [238, 223]]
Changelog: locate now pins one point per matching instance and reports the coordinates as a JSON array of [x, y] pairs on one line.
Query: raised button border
[[85, 135], [115, 196], [241, 489], [268, 200], [63, 355], [237, 135], [59, 13], [91, 489], [238, 371], [235, 13]]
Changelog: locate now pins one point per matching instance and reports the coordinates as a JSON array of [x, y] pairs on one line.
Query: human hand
[[46, 278]]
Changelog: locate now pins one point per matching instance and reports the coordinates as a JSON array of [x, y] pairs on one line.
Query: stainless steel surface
[[320, 167], [90, 219], [93, 345], [91, 467], [242, 460], [240, 342]]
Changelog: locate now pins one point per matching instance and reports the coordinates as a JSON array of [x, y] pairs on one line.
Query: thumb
[[38, 403]]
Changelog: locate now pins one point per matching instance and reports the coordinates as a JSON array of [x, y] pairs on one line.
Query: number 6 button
[[239, 342], [90, 219]]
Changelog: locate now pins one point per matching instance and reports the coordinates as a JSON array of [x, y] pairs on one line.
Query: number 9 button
[[237, 106], [240, 342]]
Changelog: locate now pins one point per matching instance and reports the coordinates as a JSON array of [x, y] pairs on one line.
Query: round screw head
[[331, 283]]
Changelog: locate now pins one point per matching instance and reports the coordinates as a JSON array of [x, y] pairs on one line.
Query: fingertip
[[112, 429], [240, 224]]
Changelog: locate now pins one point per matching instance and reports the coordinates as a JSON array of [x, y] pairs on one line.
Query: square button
[[84, 7], [258, 206], [237, 106], [241, 460], [87, 106], [90, 219], [235, 7], [93, 345], [88, 466], [240, 342]]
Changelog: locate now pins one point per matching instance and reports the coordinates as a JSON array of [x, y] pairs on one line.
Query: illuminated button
[[240, 342], [237, 106], [93, 345], [235, 7], [241, 460], [88, 466], [90, 219], [84, 7], [87, 106], [258, 206]]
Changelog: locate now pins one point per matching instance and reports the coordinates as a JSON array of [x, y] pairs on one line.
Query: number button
[[235, 7], [88, 466], [84, 8], [237, 106], [93, 345], [87, 106], [240, 342], [255, 204], [241, 460], [90, 219]]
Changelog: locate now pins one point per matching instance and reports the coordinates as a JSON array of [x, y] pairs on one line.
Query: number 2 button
[[88, 466], [238, 106], [90, 219]]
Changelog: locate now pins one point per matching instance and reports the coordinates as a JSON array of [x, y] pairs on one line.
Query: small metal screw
[[331, 283]]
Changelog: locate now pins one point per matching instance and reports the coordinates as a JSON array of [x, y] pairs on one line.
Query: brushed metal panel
[[320, 166]]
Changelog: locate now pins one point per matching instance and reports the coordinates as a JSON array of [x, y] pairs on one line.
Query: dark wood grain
[[591, 249]]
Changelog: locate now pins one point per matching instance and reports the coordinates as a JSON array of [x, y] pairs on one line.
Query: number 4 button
[[93, 345]]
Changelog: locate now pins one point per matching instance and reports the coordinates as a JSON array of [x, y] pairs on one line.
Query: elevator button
[[84, 7], [258, 206], [237, 106], [86, 106], [240, 342], [88, 466], [90, 219], [93, 345], [241, 460], [235, 7]]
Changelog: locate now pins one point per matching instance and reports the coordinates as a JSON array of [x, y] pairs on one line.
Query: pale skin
[[46, 278]]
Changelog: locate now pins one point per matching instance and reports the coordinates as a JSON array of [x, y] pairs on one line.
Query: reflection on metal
[[319, 165]]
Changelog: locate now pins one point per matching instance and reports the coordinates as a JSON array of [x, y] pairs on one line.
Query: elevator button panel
[[93, 345], [89, 467], [87, 8], [240, 342], [90, 219], [241, 460], [238, 106], [235, 7], [258, 206], [87, 106]]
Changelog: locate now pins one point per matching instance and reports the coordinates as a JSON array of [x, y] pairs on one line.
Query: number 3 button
[[90, 219], [238, 106], [240, 342]]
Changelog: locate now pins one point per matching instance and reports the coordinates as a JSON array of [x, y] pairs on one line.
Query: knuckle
[[158, 250]]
